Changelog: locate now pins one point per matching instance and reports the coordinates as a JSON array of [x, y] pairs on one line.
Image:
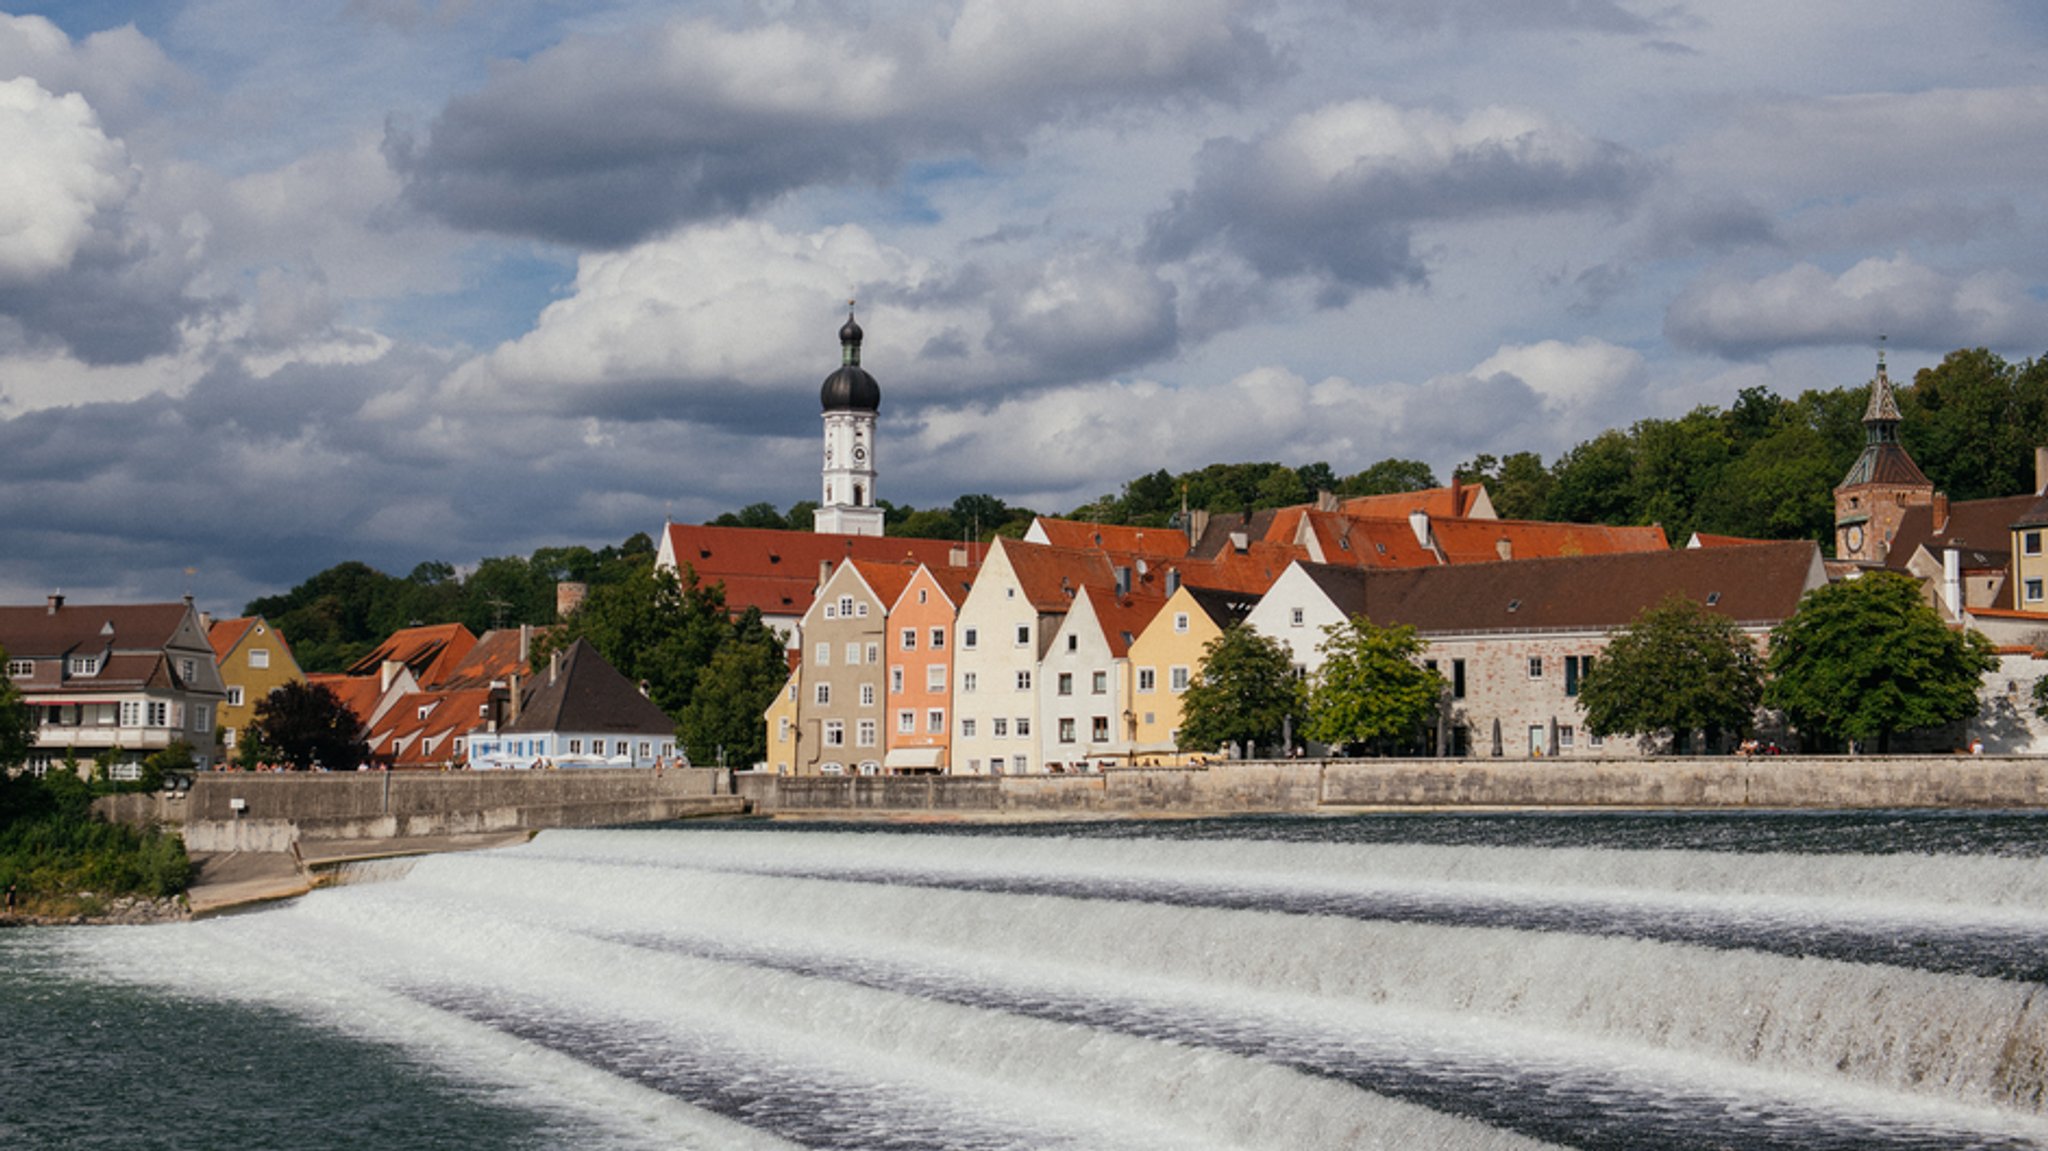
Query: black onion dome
[[850, 388]]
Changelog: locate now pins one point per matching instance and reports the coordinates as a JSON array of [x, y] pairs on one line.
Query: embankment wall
[[234, 811], [1320, 785]]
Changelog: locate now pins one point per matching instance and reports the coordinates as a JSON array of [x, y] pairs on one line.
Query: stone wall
[[1321, 785], [234, 811]]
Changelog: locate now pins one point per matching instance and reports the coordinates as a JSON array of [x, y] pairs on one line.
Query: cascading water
[[1402, 982]]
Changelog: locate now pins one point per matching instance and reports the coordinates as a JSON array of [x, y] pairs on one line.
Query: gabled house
[[1006, 623], [781, 716], [1164, 659], [919, 658], [1513, 640], [844, 680], [254, 661], [428, 730], [1085, 715], [122, 681], [579, 712]]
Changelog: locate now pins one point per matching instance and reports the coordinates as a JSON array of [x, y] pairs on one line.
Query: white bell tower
[[850, 399]]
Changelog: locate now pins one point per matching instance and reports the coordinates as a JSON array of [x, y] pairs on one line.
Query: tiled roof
[[1050, 576], [432, 652], [1440, 503], [587, 694], [358, 693], [1479, 541], [1707, 540], [1761, 584], [1221, 606], [2035, 516], [886, 580], [405, 740], [1885, 463], [1154, 543], [1980, 528], [1123, 620], [494, 658], [777, 571], [39, 633], [224, 634]]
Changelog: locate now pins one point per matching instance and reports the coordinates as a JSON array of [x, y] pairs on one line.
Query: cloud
[[118, 70], [605, 140], [62, 172], [1472, 16], [1916, 306], [1336, 195], [704, 325]]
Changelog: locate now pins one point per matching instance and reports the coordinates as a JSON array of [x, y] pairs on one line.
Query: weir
[[1691, 981]]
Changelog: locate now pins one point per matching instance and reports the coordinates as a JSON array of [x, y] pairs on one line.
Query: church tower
[[1884, 481], [850, 398]]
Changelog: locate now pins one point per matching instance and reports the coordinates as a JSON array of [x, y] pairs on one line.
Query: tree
[[722, 721], [17, 723], [1372, 686], [1867, 657], [1244, 692], [1675, 669], [308, 725], [1388, 477]]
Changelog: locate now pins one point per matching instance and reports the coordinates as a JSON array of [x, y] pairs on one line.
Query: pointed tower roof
[[850, 388], [1884, 459]]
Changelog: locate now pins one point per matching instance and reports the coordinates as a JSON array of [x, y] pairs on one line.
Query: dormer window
[[1713, 597], [85, 665]]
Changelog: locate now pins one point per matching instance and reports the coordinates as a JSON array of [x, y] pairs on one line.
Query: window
[[938, 638], [967, 681], [823, 655], [1098, 729], [1180, 622], [159, 713], [20, 668], [1066, 731], [861, 611], [967, 637], [867, 695], [1101, 684], [576, 745], [1565, 735], [1535, 667], [2033, 590], [2030, 543], [909, 639], [1148, 679], [646, 749], [831, 611], [874, 653], [1457, 679], [824, 696], [1073, 643], [999, 728], [835, 733], [131, 713], [1575, 668], [202, 718], [906, 722], [235, 696], [1023, 634], [966, 727], [896, 681], [1023, 726], [1023, 681], [259, 657], [1177, 679], [85, 665], [935, 677], [853, 653], [1294, 617], [865, 733], [846, 607], [996, 765], [924, 595], [781, 731], [935, 721], [1066, 683]]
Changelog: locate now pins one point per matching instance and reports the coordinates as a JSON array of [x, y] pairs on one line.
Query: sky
[[283, 285]]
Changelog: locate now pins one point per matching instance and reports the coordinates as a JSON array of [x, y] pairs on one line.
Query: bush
[[51, 845]]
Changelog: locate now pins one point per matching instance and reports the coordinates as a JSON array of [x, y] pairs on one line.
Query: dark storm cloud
[[1281, 205], [604, 141]]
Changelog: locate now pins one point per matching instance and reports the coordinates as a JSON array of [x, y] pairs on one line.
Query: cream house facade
[[1164, 659]]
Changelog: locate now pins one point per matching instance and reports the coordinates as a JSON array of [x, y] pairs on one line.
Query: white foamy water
[[708, 987]]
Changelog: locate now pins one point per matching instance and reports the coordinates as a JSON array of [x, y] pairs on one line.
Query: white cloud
[[61, 172], [1568, 375]]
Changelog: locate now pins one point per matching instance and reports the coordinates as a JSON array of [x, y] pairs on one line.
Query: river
[[1599, 981]]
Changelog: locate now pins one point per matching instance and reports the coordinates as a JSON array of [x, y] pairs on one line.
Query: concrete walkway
[[228, 881]]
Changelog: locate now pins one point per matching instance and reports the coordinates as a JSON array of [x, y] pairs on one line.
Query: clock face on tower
[[860, 454], [1854, 537]]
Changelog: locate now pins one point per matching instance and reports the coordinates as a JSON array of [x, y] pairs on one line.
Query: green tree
[[308, 725], [1388, 477], [1244, 692], [1675, 669], [1372, 686], [1866, 657], [722, 722], [17, 723], [1519, 485]]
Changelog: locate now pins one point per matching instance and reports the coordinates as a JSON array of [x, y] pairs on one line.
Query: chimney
[[1198, 523], [2041, 471], [1457, 496], [1505, 547], [957, 557], [525, 643], [554, 666], [824, 572], [1952, 581], [1326, 501], [56, 601], [512, 701], [1940, 513]]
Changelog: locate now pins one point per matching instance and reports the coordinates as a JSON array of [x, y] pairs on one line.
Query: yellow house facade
[[254, 661], [783, 741], [1164, 659]]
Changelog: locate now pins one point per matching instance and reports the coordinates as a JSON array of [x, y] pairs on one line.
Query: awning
[[914, 758]]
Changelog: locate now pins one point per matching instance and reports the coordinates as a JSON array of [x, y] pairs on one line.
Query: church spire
[[1881, 416]]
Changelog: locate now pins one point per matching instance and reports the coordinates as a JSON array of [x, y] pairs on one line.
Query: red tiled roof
[[224, 634], [495, 657], [432, 652], [1154, 543], [777, 571], [358, 693], [1051, 575], [405, 740], [886, 580], [1438, 502], [1708, 540], [1123, 620]]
